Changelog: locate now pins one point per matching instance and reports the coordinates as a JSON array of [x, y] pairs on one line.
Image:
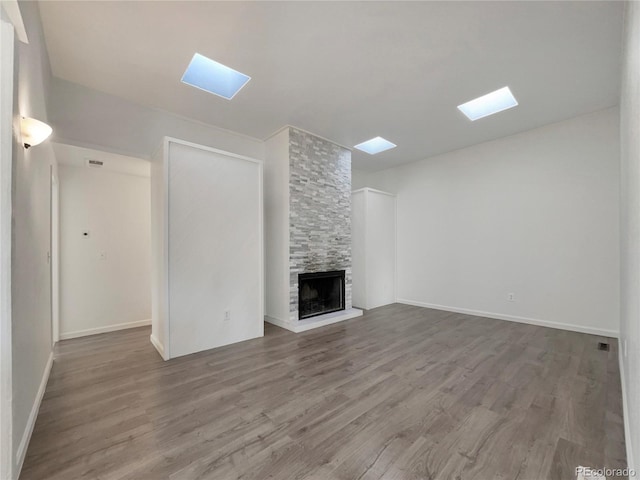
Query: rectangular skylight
[[489, 104], [375, 145], [213, 77]]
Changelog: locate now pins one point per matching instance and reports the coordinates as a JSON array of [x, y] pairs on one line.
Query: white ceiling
[[350, 71]]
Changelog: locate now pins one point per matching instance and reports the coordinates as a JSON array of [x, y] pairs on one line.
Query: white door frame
[[6, 155]]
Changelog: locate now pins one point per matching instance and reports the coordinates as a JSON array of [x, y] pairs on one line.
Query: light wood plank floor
[[400, 393]]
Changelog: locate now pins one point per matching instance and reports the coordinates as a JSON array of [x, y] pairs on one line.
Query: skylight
[[375, 145], [489, 104], [213, 77]]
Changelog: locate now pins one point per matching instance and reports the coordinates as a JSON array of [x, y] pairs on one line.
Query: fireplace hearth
[[320, 293]]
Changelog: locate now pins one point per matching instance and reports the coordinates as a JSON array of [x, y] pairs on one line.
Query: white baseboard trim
[[279, 323], [315, 322], [31, 421], [625, 412], [106, 329], [513, 318], [158, 346]]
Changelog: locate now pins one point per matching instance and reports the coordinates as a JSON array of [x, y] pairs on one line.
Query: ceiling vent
[[94, 163]]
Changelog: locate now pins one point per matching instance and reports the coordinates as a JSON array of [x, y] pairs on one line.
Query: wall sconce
[[34, 132]]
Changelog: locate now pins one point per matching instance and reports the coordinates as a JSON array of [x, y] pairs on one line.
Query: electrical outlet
[[227, 315], [511, 297]]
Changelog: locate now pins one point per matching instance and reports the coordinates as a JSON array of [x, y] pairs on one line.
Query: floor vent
[[603, 346]]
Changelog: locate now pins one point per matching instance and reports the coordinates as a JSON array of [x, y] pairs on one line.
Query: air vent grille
[[94, 163]]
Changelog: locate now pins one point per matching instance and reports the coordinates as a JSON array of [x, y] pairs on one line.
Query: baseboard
[[31, 421], [108, 328], [279, 323], [512, 318], [158, 346], [625, 411]]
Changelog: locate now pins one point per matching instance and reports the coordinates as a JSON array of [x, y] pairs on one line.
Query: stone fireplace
[[319, 211], [307, 228]]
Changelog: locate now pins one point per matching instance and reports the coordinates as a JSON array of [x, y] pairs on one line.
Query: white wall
[[213, 268], [88, 118], [358, 249], [359, 179], [534, 214], [381, 248], [7, 37], [630, 231], [276, 208], [31, 303], [105, 279], [373, 235], [159, 268]]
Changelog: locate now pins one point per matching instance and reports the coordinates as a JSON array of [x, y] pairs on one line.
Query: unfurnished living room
[[317, 240]]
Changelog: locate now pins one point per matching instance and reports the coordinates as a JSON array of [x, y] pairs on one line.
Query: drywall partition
[[630, 232], [159, 258], [276, 207], [32, 355], [7, 36], [373, 230], [358, 248], [534, 215], [211, 266], [105, 243]]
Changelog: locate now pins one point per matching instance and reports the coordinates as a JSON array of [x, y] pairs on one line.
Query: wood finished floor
[[402, 393]]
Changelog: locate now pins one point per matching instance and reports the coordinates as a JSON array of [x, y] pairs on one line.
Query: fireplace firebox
[[320, 293]]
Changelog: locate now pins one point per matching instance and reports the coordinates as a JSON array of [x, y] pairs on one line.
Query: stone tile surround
[[319, 211]]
